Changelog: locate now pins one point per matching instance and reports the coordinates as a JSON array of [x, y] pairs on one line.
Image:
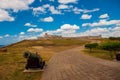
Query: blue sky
[[29, 19]]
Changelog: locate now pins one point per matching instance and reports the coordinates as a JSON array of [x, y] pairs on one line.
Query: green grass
[[99, 53]]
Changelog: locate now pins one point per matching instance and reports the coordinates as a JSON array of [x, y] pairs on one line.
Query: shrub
[[91, 46], [113, 46]]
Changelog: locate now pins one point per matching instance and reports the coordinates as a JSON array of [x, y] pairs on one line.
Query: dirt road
[[71, 65]]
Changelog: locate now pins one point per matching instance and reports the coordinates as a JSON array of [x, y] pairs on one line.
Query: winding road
[[71, 65]]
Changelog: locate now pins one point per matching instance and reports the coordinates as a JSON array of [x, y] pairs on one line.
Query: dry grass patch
[[98, 53], [12, 62]]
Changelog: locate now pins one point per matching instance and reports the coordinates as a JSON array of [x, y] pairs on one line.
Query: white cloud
[[116, 28], [48, 19], [39, 10], [115, 32], [32, 37], [7, 35], [54, 11], [78, 11], [40, 0], [46, 6], [68, 27], [4, 16], [30, 25], [93, 10], [22, 33], [95, 31], [64, 30], [34, 30], [63, 6], [43, 9], [105, 32], [68, 30], [104, 16], [102, 23], [67, 1], [52, 0], [15, 5], [1, 37], [86, 16], [27, 37]]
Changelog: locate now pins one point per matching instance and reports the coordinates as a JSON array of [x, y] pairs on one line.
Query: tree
[[114, 38], [91, 46], [112, 47]]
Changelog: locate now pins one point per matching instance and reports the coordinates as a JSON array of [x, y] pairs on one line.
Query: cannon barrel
[[33, 60]]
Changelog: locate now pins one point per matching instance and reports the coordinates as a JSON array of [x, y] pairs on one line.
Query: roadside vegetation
[[91, 46], [105, 50], [12, 62]]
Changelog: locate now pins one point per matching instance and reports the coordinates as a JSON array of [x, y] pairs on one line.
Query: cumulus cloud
[[32, 37], [7, 35], [27, 37], [64, 30], [15, 5], [22, 33], [44, 9], [4, 16], [54, 11], [34, 30], [63, 6], [40, 0], [114, 32], [67, 1], [48, 19], [48, 8], [68, 30], [30, 25], [105, 32], [52, 0], [68, 27], [102, 23], [104, 16], [39, 10], [95, 32], [1, 37], [78, 11], [86, 16]]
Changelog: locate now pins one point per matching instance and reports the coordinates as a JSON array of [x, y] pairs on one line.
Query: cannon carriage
[[34, 61], [118, 56]]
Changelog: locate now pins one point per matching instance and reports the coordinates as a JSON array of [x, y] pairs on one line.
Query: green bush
[[112, 47], [91, 46]]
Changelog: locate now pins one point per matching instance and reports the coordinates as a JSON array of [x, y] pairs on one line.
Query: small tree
[[91, 46], [112, 47]]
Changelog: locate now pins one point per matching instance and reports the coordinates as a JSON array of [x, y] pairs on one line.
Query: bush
[[113, 46], [91, 46]]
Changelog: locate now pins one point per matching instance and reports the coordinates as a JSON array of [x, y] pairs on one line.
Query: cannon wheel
[[42, 64]]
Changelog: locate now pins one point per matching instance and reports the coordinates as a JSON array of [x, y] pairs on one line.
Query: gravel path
[[71, 65]]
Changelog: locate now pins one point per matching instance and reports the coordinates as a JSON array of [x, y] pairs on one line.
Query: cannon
[[118, 56], [34, 60]]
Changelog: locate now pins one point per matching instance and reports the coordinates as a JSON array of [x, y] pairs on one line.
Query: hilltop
[[12, 62]]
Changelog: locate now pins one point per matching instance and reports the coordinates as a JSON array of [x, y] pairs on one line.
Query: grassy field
[[99, 53], [12, 62]]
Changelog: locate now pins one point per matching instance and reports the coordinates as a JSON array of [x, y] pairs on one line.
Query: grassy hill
[[12, 62]]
